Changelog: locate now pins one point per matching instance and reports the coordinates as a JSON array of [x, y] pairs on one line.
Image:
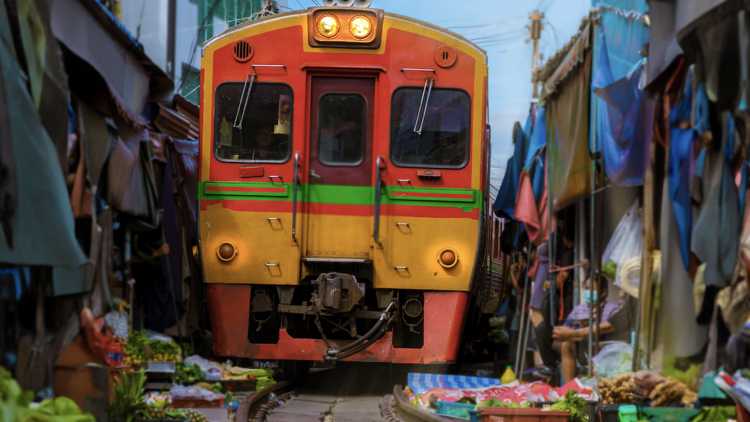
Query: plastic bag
[[613, 360], [153, 335], [624, 249], [204, 364], [193, 392]]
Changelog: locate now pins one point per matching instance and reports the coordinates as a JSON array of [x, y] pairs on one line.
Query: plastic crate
[[608, 412], [457, 410], [193, 403], [510, 414], [239, 385]]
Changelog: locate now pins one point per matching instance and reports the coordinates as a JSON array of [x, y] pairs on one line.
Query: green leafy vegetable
[[128, 400], [573, 404], [493, 402], [189, 374]]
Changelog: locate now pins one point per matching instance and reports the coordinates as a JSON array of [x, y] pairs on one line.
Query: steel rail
[[253, 403], [413, 413]]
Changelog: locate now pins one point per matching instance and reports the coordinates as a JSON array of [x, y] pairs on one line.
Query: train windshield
[[444, 138], [257, 128]]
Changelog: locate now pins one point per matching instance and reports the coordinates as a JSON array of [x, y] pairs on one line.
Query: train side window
[[263, 132], [445, 134], [342, 118]]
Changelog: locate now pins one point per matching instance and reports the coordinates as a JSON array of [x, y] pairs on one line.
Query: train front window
[[263, 128], [444, 138], [342, 119]]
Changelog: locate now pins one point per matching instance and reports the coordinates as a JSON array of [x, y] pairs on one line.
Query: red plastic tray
[[193, 403]]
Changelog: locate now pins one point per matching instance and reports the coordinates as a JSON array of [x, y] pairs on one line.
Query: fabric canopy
[[43, 232], [567, 113]]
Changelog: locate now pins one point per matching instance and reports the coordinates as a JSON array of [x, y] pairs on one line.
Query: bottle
[[508, 376]]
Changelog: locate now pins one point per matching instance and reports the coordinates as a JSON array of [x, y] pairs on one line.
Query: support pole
[[525, 342], [523, 308], [592, 267]]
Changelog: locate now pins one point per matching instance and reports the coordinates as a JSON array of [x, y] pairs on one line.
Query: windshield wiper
[[252, 79], [428, 90]]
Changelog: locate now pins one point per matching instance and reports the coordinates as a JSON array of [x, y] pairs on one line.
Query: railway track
[[282, 402]]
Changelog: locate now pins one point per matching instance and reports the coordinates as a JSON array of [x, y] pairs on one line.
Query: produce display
[[189, 374], [618, 390], [670, 391], [139, 349]]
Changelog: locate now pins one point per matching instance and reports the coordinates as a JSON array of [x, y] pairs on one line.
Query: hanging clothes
[[714, 238], [542, 275]]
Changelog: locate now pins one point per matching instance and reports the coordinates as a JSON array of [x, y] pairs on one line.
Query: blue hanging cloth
[[505, 202], [680, 147], [625, 120], [538, 137]]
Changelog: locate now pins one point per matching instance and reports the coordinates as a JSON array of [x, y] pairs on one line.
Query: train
[[344, 188]]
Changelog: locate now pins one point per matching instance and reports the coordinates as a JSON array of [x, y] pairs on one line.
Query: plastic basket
[[510, 414], [457, 410]]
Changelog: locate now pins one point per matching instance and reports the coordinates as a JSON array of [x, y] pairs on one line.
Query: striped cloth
[[420, 383]]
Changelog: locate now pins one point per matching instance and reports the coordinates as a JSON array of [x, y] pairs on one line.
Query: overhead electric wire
[[480, 28], [500, 34], [509, 48]]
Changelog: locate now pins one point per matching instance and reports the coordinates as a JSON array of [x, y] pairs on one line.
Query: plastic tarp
[[44, 233], [538, 137], [506, 195], [624, 119], [567, 111]]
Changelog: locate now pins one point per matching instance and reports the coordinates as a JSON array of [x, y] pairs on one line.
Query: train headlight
[[328, 26], [360, 27], [226, 251], [448, 258]]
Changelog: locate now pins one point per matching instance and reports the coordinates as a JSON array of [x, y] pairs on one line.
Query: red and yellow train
[[344, 164]]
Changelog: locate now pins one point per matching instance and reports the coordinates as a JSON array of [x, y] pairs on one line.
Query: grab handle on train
[[294, 198], [377, 200]]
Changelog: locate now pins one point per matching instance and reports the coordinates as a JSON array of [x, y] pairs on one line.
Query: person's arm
[[564, 333], [514, 274]]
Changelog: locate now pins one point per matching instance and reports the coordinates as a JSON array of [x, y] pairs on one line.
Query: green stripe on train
[[468, 199]]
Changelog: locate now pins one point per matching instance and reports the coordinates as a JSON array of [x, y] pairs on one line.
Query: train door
[[339, 193]]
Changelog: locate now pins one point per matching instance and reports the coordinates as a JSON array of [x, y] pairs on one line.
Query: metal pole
[[525, 342], [523, 308], [550, 241], [593, 253]]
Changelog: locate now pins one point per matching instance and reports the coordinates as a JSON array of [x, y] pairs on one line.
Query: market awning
[[88, 30]]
